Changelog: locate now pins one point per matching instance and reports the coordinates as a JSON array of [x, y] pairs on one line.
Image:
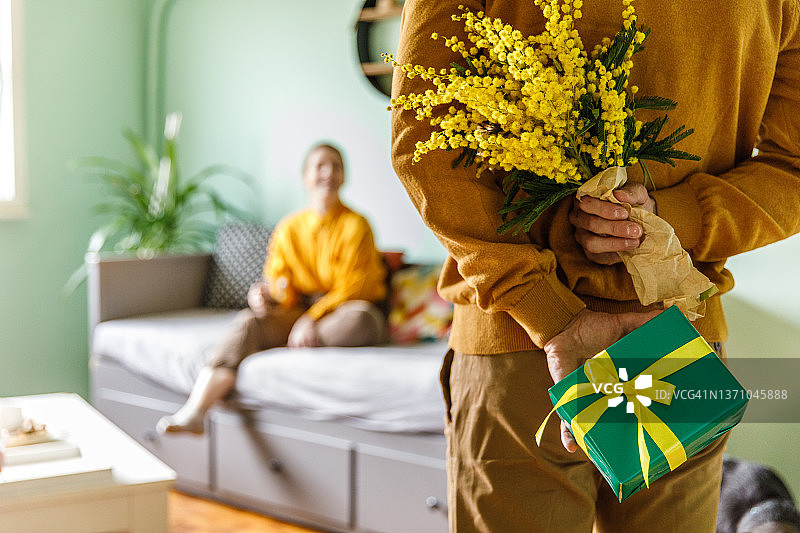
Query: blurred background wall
[[84, 67]]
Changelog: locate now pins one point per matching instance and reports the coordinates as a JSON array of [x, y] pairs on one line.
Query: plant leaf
[[146, 154], [542, 194], [654, 102]]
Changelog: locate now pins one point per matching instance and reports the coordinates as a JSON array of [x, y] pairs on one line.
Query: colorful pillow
[[418, 313], [237, 263]]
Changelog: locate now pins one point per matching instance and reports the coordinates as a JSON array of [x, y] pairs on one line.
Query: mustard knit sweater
[[734, 69], [332, 255]]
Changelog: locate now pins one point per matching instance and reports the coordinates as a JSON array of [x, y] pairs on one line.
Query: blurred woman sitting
[[323, 282]]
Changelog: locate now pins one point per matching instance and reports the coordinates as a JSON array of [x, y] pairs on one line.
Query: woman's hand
[[304, 333], [257, 298], [602, 228]]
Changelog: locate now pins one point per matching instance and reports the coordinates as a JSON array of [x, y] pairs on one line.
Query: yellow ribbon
[[603, 379]]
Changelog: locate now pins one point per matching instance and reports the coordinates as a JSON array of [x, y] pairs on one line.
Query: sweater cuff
[[679, 206], [546, 309]]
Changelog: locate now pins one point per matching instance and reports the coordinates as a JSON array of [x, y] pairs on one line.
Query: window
[[13, 197]]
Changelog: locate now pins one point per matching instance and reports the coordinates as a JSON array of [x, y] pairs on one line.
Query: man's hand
[[257, 298], [602, 228], [304, 333], [585, 336]]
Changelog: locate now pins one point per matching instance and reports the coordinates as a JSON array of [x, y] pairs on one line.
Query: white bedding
[[382, 388]]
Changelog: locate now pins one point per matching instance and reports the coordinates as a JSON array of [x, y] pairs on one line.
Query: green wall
[[763, 313], [259, 82], [83, 84]]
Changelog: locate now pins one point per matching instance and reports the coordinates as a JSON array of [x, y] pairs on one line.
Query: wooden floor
[[188, 514]]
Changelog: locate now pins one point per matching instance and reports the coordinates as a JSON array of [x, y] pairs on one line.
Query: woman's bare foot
[[212, 385], [184, 421]]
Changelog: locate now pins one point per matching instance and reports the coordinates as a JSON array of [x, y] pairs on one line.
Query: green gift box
[[649, 401]]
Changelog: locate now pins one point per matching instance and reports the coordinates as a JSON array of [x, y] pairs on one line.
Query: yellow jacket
[[734, 70], [333, 255]]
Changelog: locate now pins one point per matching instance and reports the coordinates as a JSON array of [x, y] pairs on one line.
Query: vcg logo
[[645, 381]]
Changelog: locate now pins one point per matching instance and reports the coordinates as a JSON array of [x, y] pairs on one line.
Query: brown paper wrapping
[[660, 268]]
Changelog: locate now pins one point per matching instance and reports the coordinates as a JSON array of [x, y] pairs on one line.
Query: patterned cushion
[[418, 313], [237, 263]]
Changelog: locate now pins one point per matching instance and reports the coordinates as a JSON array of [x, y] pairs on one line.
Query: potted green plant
[[152, 209]]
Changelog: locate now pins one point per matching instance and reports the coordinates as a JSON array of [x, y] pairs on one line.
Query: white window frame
[[13, 169]]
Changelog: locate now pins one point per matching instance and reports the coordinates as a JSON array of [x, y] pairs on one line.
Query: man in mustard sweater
[[323, 279], [529, 307]]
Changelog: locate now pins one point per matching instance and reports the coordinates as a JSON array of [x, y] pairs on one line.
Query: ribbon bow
[[604, 379]]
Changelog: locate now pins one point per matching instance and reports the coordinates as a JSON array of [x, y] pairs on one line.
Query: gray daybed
[[342, 439]]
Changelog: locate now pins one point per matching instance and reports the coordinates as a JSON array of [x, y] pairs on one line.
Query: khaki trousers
[[353, 323], [499, 481]]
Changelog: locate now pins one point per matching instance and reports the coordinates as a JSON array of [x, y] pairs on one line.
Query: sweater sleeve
[[277, 271], [758, 201], [358, 275], [505, 273]]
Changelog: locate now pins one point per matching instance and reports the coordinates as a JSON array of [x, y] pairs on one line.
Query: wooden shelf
[[378, 72], [377, 68], [384, 9]]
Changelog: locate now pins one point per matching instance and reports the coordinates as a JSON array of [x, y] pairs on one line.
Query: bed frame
[[322, 474]]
